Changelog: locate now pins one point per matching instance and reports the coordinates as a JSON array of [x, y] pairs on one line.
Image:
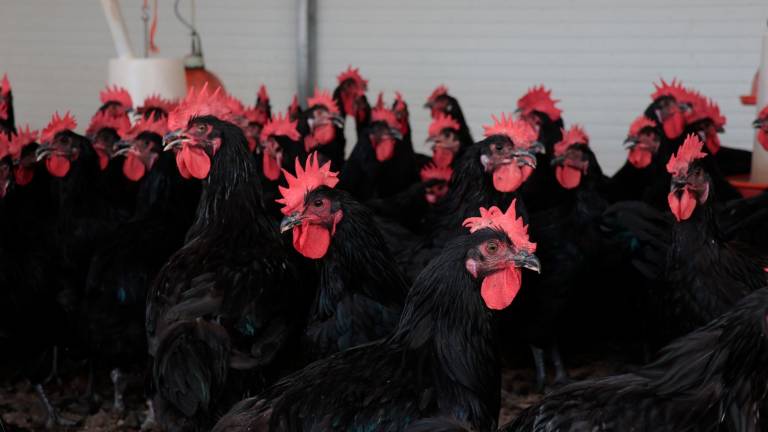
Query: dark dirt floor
[[21, 410]]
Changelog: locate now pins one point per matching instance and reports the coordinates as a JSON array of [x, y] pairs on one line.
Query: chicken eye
[[492, 247], [499, 146], [318, 203], [200, 128]]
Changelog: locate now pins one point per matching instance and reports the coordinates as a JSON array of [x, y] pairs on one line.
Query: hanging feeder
[[194, 65]]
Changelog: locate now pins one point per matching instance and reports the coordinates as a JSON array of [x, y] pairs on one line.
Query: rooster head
[[352, 88], [443, 133], [115, 101], [502, 250], [436, 180], [5, 97], [141, 146], [642, 141], [323, 120], [22, 147], [59, 145], [155, 106], [761, 124], [105, 130], [571, 160], [311, 211], [537, 106], [194, 136], [509, 152], [278, 129], [384, 133], [667, 109], [6, 164], [703, 117], [690, 182]]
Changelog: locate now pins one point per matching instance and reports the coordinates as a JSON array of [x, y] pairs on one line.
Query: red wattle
[[639, 157], [385, 149], [103, 158], [674, 125], [568, 177], [196, 161], [310, 240], [762, 137], [271, 167], [23, 175], [133, 168], [442, 157], [507, 177], [58, 166], [324, 134], [682, 208], [499, 289]]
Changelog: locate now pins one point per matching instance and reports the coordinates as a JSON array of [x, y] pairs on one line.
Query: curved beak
[[43, 152], [757, 124], [629, 143], [528, 260], [525, 157], [121, 147], [338, 121], [289, 222], [557, 160], [174, 140]]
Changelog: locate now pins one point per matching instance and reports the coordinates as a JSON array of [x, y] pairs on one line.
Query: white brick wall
[[599, 56]]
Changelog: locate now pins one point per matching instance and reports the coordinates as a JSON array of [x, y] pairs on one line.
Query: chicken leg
[[53, 419], [119, 383]]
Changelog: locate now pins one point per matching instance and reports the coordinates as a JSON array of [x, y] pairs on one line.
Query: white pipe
[[759, 154], [117, 28]]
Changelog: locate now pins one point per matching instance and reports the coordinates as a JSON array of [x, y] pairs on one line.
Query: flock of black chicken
[[269, 283]]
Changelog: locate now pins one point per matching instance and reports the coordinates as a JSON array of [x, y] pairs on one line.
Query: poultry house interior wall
[[599, 56]]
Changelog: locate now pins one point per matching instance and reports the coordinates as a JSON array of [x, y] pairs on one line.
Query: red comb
[[520, 132], [262, 96], [116, 94], [21, 139], [639, 124], [433, 172], [687, 153], [442, 121], [56, 125], [5, 146], [103, 119], [674, 90], [353, 74], [439, 91], [763, 113], [703, 108], [196, 105], [5, 85], [155, 101], [539, 99], [280, 126], [307, 179], [386, 116], [323, 98], [508, 222], [380, 100], [574, 135], [255, 115], [157, 126], [399, 102]]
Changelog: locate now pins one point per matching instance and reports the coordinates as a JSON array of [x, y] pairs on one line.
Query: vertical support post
[[306, 48], [759, 154]]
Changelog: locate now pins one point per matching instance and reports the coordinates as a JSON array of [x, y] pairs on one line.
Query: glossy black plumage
[[360, 290], [713, 379], [440, 361], [235, 276]]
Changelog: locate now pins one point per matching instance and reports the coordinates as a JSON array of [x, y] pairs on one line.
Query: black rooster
[[713, 379], [7, 119], [322, 127], [440, 102], [122, 270], [361, 290], [226, 309], [440, 361]]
